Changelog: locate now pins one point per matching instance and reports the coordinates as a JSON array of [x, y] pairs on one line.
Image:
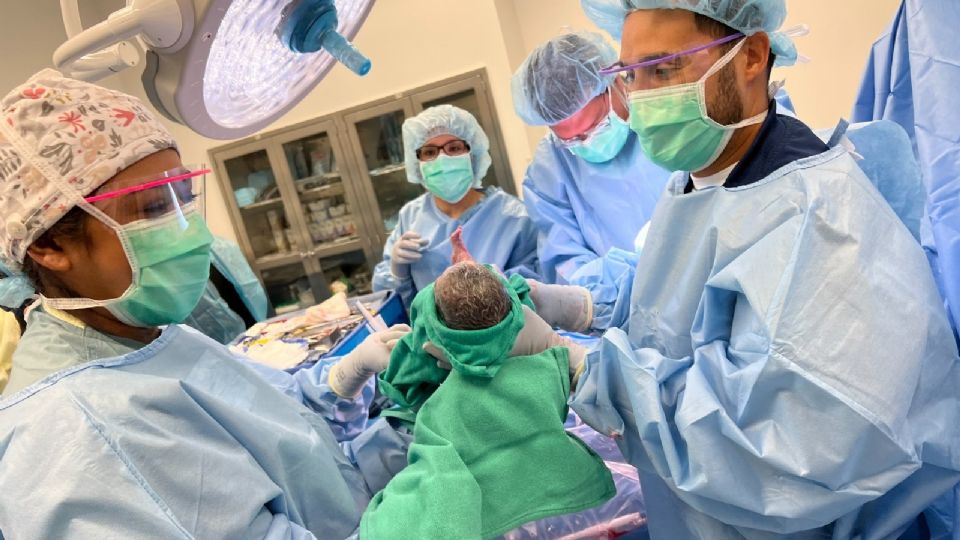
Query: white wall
[[416, 42], [841, 34]]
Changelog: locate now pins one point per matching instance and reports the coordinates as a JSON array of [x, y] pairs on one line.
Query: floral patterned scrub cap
[[60, 140]]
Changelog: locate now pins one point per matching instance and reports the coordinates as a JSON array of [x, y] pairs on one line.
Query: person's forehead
[[582, 120], [652, 33]]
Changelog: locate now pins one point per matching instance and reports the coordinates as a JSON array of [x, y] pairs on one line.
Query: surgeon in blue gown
[[589, 187], [911, 78], [787, 370], [446, 151], [116, 422]]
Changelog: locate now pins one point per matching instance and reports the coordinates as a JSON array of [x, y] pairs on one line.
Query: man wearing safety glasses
[[589, 188], [787, 370]]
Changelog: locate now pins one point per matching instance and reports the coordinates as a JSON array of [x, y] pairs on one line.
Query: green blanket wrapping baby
[[490, 452]]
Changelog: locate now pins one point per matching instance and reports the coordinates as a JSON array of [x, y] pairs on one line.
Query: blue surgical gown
[[496, 231], [176, 439], [583, 211], [912, 78], [788, 370], [214, 318], [213, 315], [227, 258]]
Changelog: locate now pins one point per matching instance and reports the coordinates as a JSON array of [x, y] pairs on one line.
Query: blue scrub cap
[[445, 120], [746, 16], [560, 77]]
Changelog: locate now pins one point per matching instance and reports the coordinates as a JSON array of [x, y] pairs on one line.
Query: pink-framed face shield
[[171, 192]]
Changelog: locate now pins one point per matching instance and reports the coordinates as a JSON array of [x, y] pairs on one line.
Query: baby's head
[[470, 297]]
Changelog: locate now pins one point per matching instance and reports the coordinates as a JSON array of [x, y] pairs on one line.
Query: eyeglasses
[[430, 152], [673, 69]]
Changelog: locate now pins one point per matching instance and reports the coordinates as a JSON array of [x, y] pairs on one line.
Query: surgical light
[[224, 68]]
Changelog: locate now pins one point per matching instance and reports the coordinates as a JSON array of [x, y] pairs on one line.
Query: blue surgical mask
[[605, 141], [448, 177]]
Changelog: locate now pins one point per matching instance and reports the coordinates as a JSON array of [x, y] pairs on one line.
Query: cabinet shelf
[[387, 169], [323, 192], [318, 178], [337, 247], [262, 205], [278, 259]]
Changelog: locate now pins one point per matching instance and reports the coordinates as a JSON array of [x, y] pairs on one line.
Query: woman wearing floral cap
[[117, 422]]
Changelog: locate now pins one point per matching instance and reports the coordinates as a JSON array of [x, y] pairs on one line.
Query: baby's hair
[[470, 297]]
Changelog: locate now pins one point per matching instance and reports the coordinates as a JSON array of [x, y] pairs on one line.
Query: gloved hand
[[567, 307], [351, 373], [535, 337], [405, 252]]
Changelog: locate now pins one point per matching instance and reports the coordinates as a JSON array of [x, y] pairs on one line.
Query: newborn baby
[[469, 296]]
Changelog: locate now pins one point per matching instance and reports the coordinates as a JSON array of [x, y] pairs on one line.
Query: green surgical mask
[[674, 129], [170, 258], [448, 177]]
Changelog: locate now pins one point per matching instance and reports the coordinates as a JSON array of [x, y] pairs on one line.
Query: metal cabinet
[[313, 204]]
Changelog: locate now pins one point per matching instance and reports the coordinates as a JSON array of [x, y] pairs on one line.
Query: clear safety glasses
[[599, 127], [684, 67], [170, 193]]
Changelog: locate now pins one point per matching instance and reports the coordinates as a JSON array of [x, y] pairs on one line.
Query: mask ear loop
[[723, 61], [702, 90]]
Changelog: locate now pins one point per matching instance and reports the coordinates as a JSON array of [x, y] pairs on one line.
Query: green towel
[[413, 375], [490, 452]]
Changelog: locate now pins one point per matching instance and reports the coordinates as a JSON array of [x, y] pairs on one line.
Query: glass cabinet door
[[330, 218], [349, 272], [260, 205], [381, 143], [288, 287]]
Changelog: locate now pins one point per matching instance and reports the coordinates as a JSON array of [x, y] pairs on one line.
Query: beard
[[726, 107]]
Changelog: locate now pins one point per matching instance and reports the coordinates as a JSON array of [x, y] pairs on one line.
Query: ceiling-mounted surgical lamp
[[224, 68]]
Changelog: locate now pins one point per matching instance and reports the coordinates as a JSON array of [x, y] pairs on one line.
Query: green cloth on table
[[490, 452]]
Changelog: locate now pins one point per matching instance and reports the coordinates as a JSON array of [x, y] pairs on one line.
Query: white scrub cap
[[445, 120], [60, 140], [560, 77], [746, 16]]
